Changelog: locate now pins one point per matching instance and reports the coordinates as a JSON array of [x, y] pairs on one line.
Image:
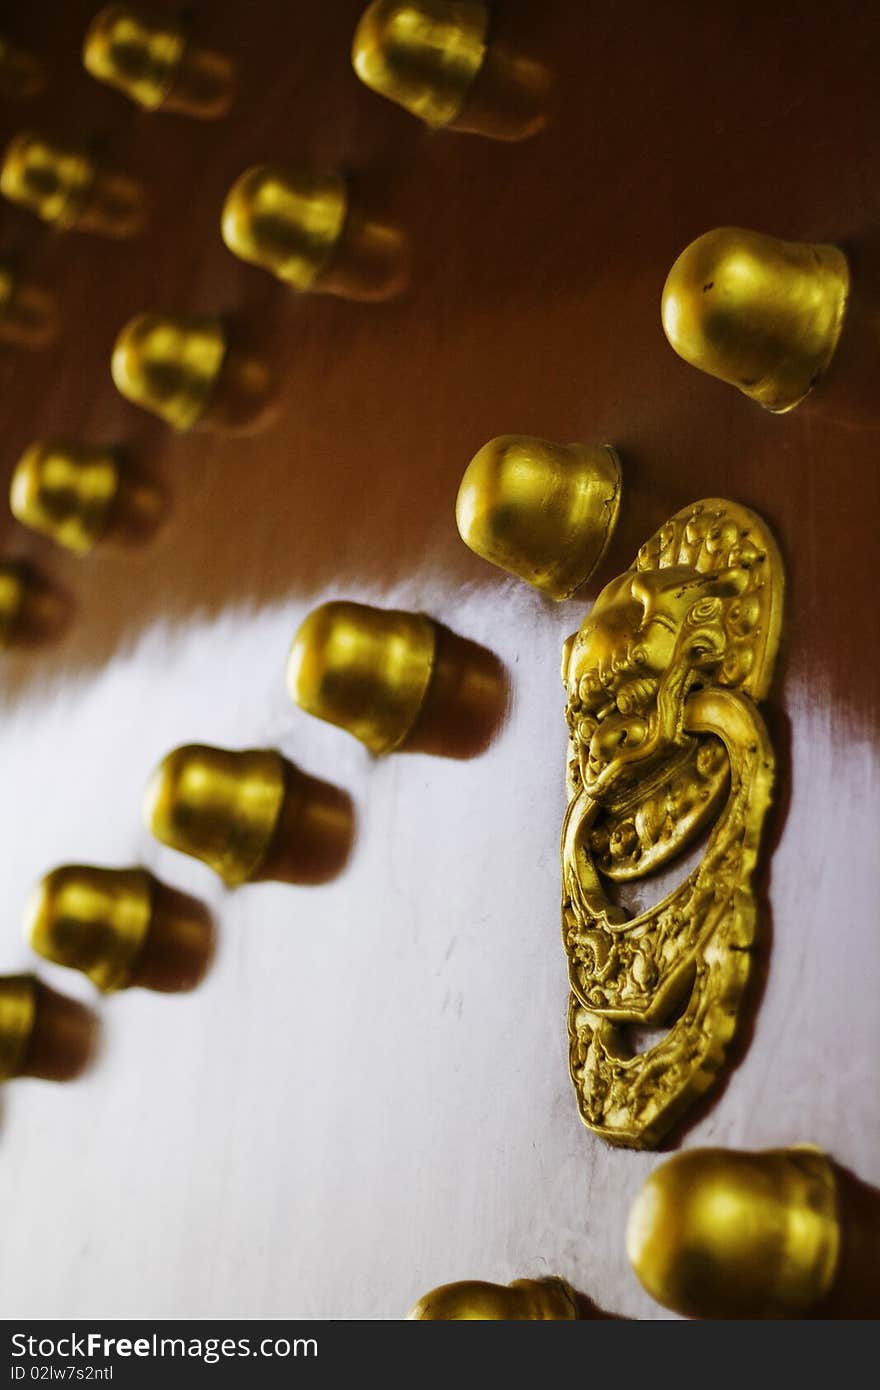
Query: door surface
[[368, 1095]]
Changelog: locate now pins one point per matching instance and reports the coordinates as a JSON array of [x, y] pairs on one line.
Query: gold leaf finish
[[718, 1234], [537, 1300], [218, 806], [93, 920], [662, 676], [66, 491], [762, 314], [543, 511], [364, 669]]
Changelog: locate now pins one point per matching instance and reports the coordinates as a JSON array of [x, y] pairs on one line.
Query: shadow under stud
[[714, 1233], [761, 314], [666, 741], [537, 1300], [438, 60], [170, 365], [65, 186], [305, 230], [542, 511], [150, 58]]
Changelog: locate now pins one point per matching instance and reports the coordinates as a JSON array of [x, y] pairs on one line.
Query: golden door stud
[[93, 920], [539, 510], [422, 54], [305, 229], [28, 314], [120, 927], [14, 584], [365, 669], [718, 1234], [289, 222], [31, 610], [18, 1008], [539, 1300], [22, 75], [761, 314], [65, 186], [436, 59], [67, 491], [169, 365], [43, 1033], [150, 58], [219, 806]]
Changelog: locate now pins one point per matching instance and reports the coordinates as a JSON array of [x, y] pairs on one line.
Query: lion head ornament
[[662, 683]]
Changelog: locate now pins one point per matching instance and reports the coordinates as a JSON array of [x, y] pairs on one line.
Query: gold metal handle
[[662, 681]]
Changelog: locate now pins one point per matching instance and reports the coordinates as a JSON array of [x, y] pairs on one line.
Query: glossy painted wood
[[368, 1095]]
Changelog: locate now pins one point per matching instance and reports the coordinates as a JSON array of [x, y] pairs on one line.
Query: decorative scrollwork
[[662, 680]]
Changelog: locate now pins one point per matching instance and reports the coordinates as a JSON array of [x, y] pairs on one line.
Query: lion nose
[[609, 738]]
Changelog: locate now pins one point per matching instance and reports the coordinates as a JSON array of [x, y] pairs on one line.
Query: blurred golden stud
[[43, 1033], [28, 314], [21, 74], [422, 54], [120, 927], [18, 1008], [543, 511], [50, 179], [435, 58], [93, 920], [288, 222], [218, 806], [67, 491], [365, 669], [31, 610], [762, 314], [718, 1234], [14, 580], [169, 365], [149, 58], [64, 186], [541, 1300], [303, 228]]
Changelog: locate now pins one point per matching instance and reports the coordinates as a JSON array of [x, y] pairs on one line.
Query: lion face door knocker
[[662, 681]]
